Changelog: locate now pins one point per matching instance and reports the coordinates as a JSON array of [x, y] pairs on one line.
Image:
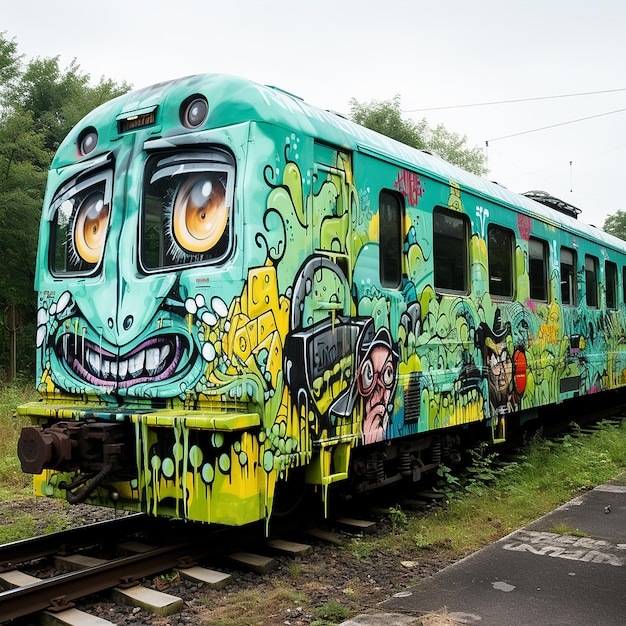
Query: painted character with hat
[[505, 366]]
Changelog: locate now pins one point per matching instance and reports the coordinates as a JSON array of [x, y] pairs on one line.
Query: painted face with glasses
[[376, 380], [500, 371]]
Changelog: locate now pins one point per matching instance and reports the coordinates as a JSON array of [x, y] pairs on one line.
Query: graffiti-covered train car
[[237, 291]]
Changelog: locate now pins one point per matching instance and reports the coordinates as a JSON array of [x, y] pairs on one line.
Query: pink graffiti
[[410, 186], [523, 223]]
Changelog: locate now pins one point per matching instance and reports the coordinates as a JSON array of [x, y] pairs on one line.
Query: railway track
[[153, 554]]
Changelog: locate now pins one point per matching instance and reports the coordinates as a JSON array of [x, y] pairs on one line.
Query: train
[[241, 295]]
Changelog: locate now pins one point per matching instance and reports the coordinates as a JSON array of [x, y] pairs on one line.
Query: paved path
[[532, 577]]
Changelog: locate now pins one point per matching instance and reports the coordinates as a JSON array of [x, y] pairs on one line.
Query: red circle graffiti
[[519, 362]]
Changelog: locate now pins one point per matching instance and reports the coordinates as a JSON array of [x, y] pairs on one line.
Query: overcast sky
[[442, 53]]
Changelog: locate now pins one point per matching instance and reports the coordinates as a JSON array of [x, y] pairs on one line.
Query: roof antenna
[[571, 184]]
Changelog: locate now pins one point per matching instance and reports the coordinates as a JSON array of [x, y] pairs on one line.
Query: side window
[[591, 280], [450, 250], [500, 251], [610, 274], [568, 276], [391, 218], [538, 269]]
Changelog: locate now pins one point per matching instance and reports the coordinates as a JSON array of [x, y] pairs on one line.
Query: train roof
[[234, 100]]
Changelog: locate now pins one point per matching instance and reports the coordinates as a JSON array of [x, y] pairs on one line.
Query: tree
[[616, 224], [386, 118], [453, 148], [9, 64], [59, 99], [39, 104]]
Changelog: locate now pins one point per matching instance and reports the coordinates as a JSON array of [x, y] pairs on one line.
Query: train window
[[538, 268], [186, 211], [79, 224], [568, 276], [500, 252], [450, 250], [391, 218], [610, 275], [591, 280], [624, 284]]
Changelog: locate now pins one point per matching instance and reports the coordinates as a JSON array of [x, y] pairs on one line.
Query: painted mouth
[[153, 360]]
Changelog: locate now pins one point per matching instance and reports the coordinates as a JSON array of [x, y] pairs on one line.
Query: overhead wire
[[532, 99], [534, 130], [515, 101]]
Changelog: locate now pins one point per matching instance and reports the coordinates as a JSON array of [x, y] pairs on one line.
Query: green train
[[240, 294]]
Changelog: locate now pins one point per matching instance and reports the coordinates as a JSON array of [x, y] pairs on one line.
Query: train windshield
[[80, 221], [187, 210]]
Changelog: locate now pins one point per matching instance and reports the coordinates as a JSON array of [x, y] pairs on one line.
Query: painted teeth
[[151, 360], [93, 358], [135, 364], [122, 369]]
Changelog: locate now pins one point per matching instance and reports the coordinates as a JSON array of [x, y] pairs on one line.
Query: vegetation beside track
[[492, 499], [13, 483]]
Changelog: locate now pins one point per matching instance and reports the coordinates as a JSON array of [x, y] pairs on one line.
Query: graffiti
[[410, 186], [454, 199], [227, 306], [482, 214], [506, 367], [585, 550], [523, 226], [376, 380]]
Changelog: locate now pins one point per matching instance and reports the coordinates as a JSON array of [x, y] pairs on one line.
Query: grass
[[331, 612], [545, 476], [485, 503], [13, 483], [252, 608], [564, 529]]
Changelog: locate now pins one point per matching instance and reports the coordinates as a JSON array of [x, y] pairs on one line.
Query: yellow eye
[[90, 227], [200, 214]]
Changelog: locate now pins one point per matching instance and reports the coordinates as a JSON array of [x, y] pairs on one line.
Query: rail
[[59, 592]]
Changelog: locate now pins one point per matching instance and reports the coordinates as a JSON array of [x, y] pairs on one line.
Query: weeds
[[484, 502], [482, 470], [564, 529], [361, 549], [254, 607], [398, 518], [294, 570], [332, 612]]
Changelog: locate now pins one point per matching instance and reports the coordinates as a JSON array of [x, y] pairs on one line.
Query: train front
[[138, 265]]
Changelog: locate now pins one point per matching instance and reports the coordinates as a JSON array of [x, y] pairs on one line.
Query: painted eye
[[388, 374], [366, 377], [194, 111], [90, 227], [200, 214], [87, 141]]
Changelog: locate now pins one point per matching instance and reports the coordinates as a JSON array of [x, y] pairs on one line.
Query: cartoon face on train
[[116, 316]]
